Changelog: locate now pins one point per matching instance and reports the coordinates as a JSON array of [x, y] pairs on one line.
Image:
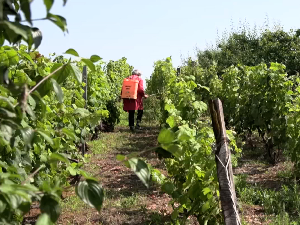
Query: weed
[[155, 218], [108, 142], [129, 202], [284, 219], [288, 171], [73, 204], [114, 199], [287, 199], [123, 119]]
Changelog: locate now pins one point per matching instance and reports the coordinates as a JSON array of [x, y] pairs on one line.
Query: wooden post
[[178, 71], [224, 167], [84, 79]]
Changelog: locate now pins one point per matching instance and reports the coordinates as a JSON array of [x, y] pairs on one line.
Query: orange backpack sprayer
[[129, 88]]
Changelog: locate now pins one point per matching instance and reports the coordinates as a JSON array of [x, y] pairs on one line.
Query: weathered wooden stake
[[224, 167], [84, 79], [178, 71]]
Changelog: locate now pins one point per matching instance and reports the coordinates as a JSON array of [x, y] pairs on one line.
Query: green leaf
[[51, 207], [206, 191], [25, 7], [61, 74], [58, 20], [75, 71], [205, 207], [176, 150], [3, 204], [171, 121], [162, 153], [184, 134], [59, 157], [166, 136], [175, 214], [6, 103], [4, 64], [58, 91], [30, 112], [6, 188], [28, 57], [201, 106], [204, 87], [71, 170], [94, 120], [17, 29], [25, 207], [44, 219], [31, 101], [91, 192], [56, 142], [71, 51], [82, 112], [85, 175], [70, 133], [37, 37], [45, 136], [95, 58], [12, 57], [141, 169], [168, 188], [27, 134], [89, 63], [80, 103], [48, 4], [157, 176], [120, 157], [40, 104]]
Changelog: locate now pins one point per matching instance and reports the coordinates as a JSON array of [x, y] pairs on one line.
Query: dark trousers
[[131, 117]]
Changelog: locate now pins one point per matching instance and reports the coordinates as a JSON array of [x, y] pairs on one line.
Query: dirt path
[[127, 201]]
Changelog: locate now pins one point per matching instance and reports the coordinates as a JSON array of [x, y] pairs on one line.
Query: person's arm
[[141, 88]]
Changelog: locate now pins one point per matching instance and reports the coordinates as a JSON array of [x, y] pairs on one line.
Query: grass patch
[[288, 172], [73, 204], [284, 203], [156, 218], [123, 119], [132, 201], [108, 142]]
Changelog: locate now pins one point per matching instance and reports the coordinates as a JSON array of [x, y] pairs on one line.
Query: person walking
[[131, 105]]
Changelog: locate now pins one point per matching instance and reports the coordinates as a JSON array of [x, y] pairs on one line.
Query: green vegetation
[[45, 121], [186, 144], [260, 97]]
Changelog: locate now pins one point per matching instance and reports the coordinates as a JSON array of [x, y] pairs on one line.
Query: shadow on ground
[[136, 218]]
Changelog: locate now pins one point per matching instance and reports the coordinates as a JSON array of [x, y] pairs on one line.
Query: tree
[[250, 49]]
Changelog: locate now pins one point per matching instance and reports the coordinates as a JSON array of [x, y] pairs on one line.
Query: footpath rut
[[127, 200]]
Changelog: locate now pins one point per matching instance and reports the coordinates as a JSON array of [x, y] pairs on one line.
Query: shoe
[[138, 127], [131, 128]]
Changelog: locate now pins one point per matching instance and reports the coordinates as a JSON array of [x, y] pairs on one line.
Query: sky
[[147, 31]]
